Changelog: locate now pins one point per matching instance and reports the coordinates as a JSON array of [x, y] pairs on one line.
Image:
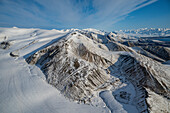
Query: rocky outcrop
[[76, 77], [5, 45]]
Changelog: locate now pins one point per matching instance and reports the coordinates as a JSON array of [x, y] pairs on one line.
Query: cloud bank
[[100, 14]]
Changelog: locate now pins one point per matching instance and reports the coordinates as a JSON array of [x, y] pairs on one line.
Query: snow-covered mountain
[[147, 32], [53, 70]]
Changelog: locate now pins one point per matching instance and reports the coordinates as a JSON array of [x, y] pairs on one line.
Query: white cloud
[[69, 13]]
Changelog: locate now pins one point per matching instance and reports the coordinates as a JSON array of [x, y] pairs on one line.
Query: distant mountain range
[[147, 32]]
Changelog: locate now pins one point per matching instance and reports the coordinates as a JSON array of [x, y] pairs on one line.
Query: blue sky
[[100, 14]]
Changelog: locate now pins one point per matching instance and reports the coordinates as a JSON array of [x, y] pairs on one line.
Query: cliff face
[[85, 65]]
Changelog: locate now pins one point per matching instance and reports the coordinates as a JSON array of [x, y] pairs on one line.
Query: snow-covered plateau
[[83, 71]]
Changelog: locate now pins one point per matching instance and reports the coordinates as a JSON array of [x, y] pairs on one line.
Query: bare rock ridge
[[85, 65]]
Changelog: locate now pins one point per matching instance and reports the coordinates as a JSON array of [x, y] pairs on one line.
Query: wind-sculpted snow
[[95, 68]]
